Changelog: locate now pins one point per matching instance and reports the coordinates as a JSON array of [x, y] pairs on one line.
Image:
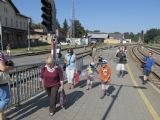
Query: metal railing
[[25, 81]]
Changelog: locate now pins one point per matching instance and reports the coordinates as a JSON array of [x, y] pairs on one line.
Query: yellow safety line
[[144, 98]]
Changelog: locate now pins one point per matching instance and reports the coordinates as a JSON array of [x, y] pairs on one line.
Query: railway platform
[[129, 99]]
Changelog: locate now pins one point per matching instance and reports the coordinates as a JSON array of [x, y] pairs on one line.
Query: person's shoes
[[107, 93], [103, 95], [122, 76], [72, 87], [51, 113], [144, 82]]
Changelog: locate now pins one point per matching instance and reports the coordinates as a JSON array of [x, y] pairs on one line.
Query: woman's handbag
[[76, 78], [64, 66], [62, 98]]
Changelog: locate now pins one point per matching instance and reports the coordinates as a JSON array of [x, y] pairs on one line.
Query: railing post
[[17, 86]]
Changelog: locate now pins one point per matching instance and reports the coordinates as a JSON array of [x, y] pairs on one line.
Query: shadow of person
[[95, 84], [72, 98], [125, 72], [111, 89], [141, 78], [81, 84]]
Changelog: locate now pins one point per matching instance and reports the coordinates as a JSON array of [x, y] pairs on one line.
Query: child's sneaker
[[107, 93], [51, 113], [102, 95], [87, 88]]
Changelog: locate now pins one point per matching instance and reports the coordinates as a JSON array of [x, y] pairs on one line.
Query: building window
[[24, 25], [20, 24], [11, 22], [6, 21], [16, 24], [5, 10]]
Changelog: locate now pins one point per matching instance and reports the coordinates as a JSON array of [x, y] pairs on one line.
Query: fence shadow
[[29, 108], [82, 83]]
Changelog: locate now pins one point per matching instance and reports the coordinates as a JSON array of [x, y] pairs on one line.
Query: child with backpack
[[104, 74], [90, 75]]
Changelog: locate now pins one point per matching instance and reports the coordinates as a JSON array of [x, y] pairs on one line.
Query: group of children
[[104, 73]]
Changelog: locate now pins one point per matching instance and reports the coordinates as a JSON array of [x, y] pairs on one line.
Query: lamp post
[[1, 38], [29, 46]]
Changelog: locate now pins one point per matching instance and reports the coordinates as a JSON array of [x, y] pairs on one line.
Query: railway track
[[153, 49]]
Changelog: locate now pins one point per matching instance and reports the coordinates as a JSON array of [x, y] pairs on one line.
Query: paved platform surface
[[129, 99]]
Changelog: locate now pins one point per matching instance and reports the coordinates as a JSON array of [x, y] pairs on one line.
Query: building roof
[[98, 35], [106, 35], [116, 36], [16, 10]]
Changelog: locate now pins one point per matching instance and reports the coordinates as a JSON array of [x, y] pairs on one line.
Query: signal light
[[47, 14]]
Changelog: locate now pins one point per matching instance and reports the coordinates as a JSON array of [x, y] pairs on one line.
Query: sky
[[104, 15]]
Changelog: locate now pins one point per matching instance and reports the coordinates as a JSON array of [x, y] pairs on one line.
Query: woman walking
[[70, 61], [52, 79]]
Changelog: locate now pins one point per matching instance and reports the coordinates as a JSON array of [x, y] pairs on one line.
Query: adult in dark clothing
[[52, 79], [122, 60]]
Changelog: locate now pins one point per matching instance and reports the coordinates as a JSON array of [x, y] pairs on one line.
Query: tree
[[65, 28], [157, 39], [58, 25], [79, 29], [150, 35], [36, 26], [96, 31], [126, 35], [117, 33]]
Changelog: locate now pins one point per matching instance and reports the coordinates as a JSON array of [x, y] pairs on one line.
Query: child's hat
[[92, 63], [104, 61]]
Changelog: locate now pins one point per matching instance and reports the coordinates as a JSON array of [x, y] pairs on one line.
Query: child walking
[[90, 75], [104, 74]]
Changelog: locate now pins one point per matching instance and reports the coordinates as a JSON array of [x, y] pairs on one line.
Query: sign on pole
[[1, 37]]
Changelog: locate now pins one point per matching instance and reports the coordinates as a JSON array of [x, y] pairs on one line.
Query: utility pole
[[1, 38], [73, 19], [29, 45], [142, 36]]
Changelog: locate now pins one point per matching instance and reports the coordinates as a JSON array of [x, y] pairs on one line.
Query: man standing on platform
[[148, 66]]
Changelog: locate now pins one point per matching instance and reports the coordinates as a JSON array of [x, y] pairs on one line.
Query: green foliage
[[79, 29], [157, 39], [65, 28], [96, 31], [36, 26], [58, 25], [150, 34], [132, 36]]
